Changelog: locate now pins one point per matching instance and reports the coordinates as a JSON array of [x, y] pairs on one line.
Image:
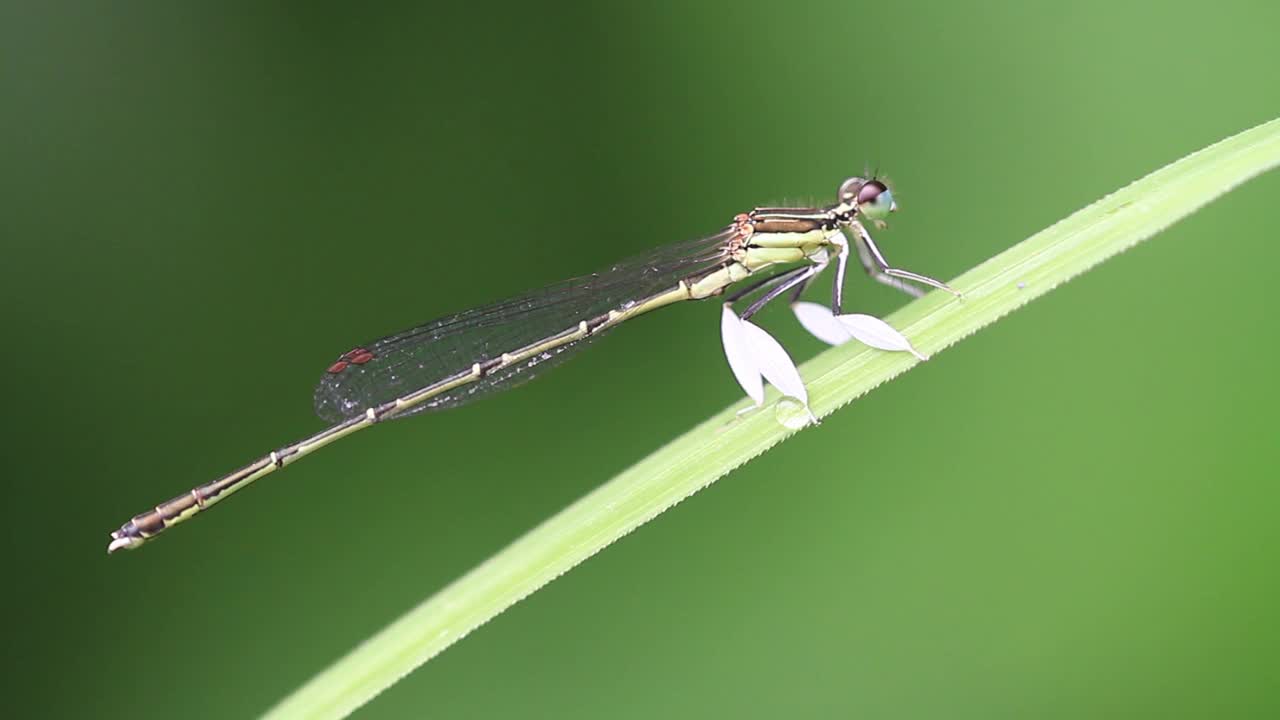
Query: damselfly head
[[870, 198]]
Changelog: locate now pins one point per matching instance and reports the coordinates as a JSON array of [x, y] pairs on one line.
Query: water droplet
[[792, 413]]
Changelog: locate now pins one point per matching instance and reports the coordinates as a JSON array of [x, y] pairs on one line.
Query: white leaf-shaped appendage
[[820, 323], [774, 363], [877, 333], [738, 350]]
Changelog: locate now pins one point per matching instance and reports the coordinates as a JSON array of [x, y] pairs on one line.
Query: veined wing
[[399, 364]]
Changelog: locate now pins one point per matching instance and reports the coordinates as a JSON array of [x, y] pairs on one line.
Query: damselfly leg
[[776, 285], [879, 269]]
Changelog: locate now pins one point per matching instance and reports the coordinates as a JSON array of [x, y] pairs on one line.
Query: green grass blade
[[835, 377]]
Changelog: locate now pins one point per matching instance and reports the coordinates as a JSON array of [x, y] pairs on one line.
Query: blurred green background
[[1070, 514]]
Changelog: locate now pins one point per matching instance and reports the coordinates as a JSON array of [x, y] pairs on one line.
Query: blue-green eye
[[875, 201]]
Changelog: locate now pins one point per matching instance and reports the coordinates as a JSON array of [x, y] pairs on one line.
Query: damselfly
[[456, 359]]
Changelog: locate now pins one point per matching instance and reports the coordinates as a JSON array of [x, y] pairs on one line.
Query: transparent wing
[[399, 364]]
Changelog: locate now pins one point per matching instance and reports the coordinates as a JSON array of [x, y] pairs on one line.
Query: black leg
[[796, 277], [774, 279], [798, 290]]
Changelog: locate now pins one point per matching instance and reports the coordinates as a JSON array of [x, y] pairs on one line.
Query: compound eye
[[869, 191], [875, 201]]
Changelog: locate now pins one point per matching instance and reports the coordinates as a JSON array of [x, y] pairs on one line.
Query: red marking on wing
[[357, 356]]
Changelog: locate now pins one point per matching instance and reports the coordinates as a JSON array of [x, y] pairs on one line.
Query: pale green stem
[[835, 377]]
